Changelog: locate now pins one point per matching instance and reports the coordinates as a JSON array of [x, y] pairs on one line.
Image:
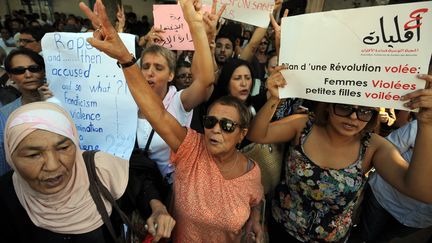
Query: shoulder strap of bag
[[96, 189], [147, 147]]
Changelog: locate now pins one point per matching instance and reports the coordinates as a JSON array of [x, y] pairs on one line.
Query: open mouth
[[349, 126], [53, 181], [244, 92], [213, 141]]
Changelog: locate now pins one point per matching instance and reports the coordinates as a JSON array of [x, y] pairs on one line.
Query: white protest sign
[[93, 89], [253, 12], [365, 56]]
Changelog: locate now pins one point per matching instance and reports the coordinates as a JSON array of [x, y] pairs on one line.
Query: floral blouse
[[316, 204]]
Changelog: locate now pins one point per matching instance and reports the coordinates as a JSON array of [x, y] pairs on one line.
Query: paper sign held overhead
[[253, 12], [366, 56], [93, 90], [169, 18]]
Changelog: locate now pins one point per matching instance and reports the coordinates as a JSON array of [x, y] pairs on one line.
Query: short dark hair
[[243, 111], [38, 59], [322, 114], [36, 32], [182, 63]]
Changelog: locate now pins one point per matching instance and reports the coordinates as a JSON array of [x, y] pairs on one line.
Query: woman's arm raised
[[412, 180], [261, 130], [202, 63], [107, 40]]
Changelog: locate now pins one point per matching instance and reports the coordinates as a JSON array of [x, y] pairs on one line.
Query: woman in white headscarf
[[46, 198]]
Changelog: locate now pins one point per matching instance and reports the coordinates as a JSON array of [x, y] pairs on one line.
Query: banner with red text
[[365, 56]]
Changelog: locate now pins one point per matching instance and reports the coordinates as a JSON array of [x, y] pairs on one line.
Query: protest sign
[[253, 12], [169, 18], [93, 89], [366, 56]]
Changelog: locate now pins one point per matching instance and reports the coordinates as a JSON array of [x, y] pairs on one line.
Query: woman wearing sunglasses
[[215, 186], [329, 155], [26, 69]]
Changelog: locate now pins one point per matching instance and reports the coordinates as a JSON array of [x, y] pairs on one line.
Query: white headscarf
[[71, 210]]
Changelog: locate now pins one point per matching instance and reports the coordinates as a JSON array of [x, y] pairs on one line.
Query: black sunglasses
[[363, 114], [21, 70], [226, 124]]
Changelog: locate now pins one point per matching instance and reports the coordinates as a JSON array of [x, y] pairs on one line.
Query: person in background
[[183, 77], [7, 41], [30, 38], [210, 160], [387, 117], [262, 57], [26, 69], [386, 212], [224, 49]]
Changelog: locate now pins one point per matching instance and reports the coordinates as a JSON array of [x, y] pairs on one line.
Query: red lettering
[[415, 17]]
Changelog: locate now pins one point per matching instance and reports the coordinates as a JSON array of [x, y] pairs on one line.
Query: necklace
[[234, 164]]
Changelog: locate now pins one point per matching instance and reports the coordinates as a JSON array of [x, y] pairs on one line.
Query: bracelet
[[128, 64]]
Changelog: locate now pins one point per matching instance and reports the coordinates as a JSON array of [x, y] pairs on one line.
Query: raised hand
[[276, 81], [277, 30], [153, 36], [120, 18], [277, 6], [192, 11], [105, 37], [44, 92], [421, 99], [211, 20]]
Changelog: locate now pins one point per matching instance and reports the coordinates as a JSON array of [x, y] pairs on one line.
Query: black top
[[16, 226]]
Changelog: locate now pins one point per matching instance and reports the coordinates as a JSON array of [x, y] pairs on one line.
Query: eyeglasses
[[21, 70], [184, 76], [26, 41], [363, 114], [226, 124]]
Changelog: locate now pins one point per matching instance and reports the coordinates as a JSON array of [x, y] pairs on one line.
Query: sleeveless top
[[315, 204]]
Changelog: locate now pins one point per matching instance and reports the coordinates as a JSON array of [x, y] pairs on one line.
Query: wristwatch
[[128, 64]]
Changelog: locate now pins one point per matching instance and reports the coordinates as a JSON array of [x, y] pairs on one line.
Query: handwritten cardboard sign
[[93, 89], [366, 56], [169, 18], [253, 12]]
